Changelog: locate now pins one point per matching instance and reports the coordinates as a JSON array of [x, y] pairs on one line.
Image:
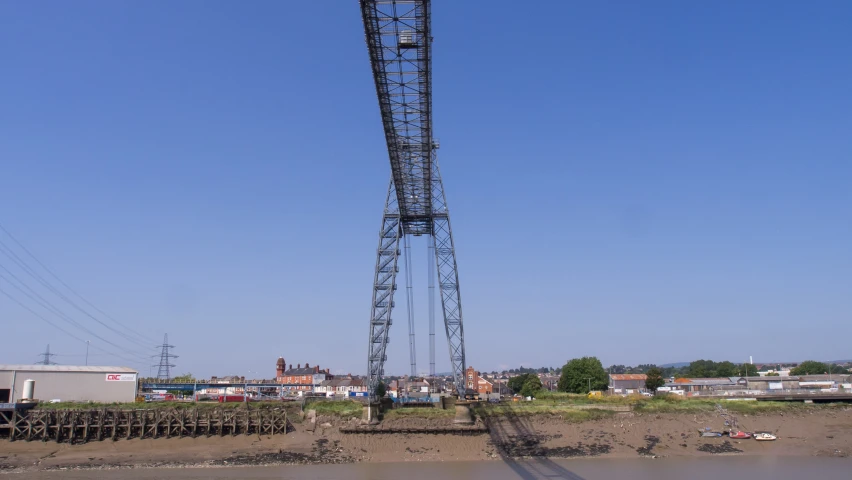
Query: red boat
[[739, 434]]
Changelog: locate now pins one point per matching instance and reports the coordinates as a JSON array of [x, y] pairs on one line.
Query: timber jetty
[[81, 426]]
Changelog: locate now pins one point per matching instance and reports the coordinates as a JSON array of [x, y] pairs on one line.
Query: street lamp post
[[590, 384], [87, 353]]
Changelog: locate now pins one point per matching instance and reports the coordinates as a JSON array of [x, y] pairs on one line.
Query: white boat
[[764, 437]]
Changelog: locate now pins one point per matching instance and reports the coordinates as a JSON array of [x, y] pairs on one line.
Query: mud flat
[[824, 433]]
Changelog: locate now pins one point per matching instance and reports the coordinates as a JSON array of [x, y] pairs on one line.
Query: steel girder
[[384, 286], [448, 279], [399, 40]]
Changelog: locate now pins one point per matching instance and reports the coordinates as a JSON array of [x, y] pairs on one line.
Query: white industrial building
[[69, 383]]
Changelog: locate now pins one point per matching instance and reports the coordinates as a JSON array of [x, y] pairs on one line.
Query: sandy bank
[[810, 433]]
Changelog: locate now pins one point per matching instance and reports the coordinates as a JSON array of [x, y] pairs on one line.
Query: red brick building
[[300, 378], [476, 383]]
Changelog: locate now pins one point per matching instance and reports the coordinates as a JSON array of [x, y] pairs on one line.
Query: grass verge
[[344, 408]]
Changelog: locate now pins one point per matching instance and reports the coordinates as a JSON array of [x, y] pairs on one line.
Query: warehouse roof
[[706, 382], [66, 368], [628, 376]]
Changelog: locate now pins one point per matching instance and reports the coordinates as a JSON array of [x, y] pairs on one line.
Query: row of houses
[[313, 379]]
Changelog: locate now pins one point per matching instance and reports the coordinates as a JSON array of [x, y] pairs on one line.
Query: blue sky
[[644, 183]]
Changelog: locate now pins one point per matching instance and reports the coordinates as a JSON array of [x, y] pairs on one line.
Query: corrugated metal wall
[[71, 386]]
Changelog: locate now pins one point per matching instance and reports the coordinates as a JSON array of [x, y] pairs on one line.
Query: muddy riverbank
[[824, 433]]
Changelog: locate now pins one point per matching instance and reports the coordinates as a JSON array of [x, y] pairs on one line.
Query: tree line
[[711, 369]]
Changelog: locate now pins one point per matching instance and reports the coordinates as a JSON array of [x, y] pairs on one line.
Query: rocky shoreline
[[623, 435]]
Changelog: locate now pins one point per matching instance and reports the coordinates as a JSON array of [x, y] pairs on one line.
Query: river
[[751, 468]]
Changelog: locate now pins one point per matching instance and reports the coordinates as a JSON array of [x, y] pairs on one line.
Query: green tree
[[517, 382], [185, 378], [701, 369], [531, 387], [746, 370], [726, 369], [655, 379], [773, 374], [381, 390], [581, 375], [810, 367]]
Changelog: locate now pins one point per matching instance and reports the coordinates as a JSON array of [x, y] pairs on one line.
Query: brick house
[[473, 381], [342, 386]]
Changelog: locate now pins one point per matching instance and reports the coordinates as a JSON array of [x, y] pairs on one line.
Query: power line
[[66, 332], [47, 305], [29, 271], [74, 292]]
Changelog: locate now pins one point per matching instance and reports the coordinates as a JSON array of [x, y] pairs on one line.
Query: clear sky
[[647, 182]]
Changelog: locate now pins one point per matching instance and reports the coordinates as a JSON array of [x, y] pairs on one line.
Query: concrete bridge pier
[[370, 414], [464, 416]]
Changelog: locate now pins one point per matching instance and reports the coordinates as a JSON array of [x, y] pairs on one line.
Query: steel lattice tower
[[399, 41], [165, 365], [46, 356]]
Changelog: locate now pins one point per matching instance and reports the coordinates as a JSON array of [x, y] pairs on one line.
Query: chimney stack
[[298, 365], [291, 366], [307, 366]]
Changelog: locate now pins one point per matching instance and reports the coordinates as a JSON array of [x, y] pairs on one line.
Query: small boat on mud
[[739, 435], [764, 437], [711, 434]]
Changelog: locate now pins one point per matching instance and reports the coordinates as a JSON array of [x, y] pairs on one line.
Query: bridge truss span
[[399, 41], [400, 45]]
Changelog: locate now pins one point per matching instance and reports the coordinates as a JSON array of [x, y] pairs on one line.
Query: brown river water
[[750, 468]]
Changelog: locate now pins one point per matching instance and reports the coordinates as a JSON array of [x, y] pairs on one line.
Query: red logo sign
[[114, 377]]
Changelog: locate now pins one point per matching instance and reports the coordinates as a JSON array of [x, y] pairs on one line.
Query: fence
[[83, 426]]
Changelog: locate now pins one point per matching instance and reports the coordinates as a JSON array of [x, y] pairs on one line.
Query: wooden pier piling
[[81, 426]]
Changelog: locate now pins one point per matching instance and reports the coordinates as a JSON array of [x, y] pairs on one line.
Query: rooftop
[[628, 376], [703, 381], [66, 368], [343, 382], [772, 379], [302, 371]]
